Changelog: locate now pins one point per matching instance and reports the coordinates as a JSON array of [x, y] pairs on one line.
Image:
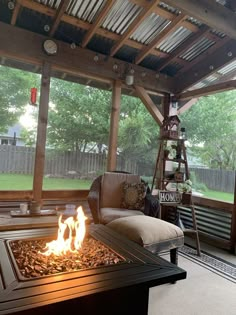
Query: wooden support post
[[114, 125], [166, 105], [41, 133]]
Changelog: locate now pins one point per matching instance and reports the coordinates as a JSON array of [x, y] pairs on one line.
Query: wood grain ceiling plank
[[134, 25], [15, 13], [59, 13], [182, 48], [97, 23], [210, 13], [160, 37]]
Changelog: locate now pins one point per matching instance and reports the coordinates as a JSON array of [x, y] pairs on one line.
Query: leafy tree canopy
[[14, 94], [211, 129]]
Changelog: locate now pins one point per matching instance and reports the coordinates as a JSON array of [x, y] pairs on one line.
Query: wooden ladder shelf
[[162, 180]]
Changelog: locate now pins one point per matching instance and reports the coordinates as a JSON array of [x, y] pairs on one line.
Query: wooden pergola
[[174, 51]]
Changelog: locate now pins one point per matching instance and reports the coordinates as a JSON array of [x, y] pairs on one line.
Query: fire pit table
[[121, 287]]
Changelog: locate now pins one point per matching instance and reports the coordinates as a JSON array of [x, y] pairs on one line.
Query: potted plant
[[186, 189]]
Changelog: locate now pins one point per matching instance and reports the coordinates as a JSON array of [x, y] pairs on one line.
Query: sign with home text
[[166, 196]]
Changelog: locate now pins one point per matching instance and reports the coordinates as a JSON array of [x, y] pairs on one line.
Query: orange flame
[[74, 241]]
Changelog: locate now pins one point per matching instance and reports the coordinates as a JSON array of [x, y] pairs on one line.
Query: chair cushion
[[146, 230], [133, 195], [109, 214], [111, 189]]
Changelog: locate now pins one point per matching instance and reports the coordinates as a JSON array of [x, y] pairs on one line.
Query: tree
[[211, 129], [14, 94], [138, 132], [78, 116]]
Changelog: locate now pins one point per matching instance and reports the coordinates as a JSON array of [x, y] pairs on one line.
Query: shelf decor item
[[170, 127]]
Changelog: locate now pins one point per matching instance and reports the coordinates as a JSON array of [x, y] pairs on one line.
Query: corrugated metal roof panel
[[127, 53], [121, 16], [217, 33], [151, 27], [168, 8], [100, 44], [174, 40], [194, 21], [198, 48], [151, 62], [85, 10], [171, 69], [227, 69]]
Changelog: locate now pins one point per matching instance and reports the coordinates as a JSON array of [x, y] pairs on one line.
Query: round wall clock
[[50, 47]]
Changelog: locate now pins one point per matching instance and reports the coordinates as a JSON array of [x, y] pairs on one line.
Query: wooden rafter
[[26, 47], [15, 13], [166, 15], [211, 89], [169, 29], [59, 13], [187, 105], [204, 55], [97, 23], [209, 12], [147, 101], [134, 25], [82, 24], [216, 60], [182, 48]]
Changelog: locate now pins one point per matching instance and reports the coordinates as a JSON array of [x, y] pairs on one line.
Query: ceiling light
[[72, 45], [46, 28], [129, 79]]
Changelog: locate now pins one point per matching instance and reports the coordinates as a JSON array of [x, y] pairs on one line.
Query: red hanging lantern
[[33, 96]]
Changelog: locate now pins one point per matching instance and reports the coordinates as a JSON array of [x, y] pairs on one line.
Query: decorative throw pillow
[[133, 195]]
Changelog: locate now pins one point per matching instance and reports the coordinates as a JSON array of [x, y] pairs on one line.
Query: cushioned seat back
[[111, 190]]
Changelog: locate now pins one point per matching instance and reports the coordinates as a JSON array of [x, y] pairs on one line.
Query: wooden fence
[[20, 160], [220, 180]]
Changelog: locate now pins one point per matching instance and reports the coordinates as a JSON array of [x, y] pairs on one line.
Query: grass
[[25, 182], [219, 195]]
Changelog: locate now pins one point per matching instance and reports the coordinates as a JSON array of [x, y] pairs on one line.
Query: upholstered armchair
[[108, 196]]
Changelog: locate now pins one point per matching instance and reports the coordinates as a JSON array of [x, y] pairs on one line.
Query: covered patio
[[164, 53]]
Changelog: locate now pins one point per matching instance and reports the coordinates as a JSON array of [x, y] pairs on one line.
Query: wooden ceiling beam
[[160, 37], [201, 70], [97, 23], [187, 105], [15, 13], [147, 101], [58, 16], [26, 47], [134, 25], [202, 56], [211, 13], [189, 42], [211, 89], [84, 25], [166, 14]]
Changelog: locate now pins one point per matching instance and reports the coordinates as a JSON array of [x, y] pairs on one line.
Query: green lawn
[[219, 195], [25, 182]]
